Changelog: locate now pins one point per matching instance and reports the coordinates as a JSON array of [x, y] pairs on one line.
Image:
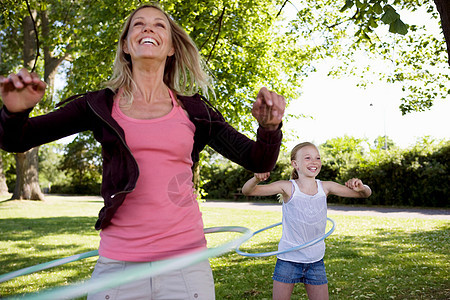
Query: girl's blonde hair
[[294, 174], [184, 72]]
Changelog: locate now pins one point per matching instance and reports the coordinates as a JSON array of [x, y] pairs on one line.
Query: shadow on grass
[[386, 265], [25, 235]]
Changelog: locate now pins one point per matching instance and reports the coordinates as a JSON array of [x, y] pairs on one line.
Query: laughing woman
[[151, 129]]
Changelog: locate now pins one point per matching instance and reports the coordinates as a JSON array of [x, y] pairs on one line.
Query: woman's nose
[[147, 28]]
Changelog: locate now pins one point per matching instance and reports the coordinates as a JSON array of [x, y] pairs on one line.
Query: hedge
[[417, 177]]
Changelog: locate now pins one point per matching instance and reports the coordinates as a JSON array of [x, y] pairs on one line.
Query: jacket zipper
[[124, 143]]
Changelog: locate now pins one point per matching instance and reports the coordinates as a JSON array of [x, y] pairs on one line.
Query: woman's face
[[149, 36]]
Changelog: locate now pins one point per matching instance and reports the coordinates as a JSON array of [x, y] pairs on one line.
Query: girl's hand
[[262, 176], [268, 109], [355, 184], [21, 91]]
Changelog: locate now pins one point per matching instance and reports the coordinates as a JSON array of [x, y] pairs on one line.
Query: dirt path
[[440, 214]]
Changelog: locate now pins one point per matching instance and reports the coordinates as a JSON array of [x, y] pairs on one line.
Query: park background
[[365, 80], [368, 72]]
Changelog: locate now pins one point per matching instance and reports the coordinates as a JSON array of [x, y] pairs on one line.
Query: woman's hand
[[268, 109], [262, 176], [21, 91]]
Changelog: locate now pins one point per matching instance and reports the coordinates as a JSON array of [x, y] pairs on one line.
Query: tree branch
[[218, 34], [36, 33], [282, 6]]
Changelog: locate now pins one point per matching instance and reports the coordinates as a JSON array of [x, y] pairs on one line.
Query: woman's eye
[[138, 24], [160, 25]]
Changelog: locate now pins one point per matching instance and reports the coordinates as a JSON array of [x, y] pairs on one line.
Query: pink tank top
[[161, 217]]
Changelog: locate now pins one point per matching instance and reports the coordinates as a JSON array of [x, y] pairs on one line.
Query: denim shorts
[[307, 273]]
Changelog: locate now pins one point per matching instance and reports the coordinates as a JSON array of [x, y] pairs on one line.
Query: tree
[[81, 162], [443, 7], [50, 157], [372, 32], [3, 185], [343, 152], [232, 37], [245, 43], [384, 142], [37, 34]]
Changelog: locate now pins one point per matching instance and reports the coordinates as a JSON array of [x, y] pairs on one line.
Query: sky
[[339, 108]]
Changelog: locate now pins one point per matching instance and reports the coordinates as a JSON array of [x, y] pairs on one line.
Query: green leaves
[[348, 4], [390, 15], [398, 27], [392, 18]]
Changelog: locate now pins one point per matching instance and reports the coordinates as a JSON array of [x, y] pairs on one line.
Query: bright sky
[[340, 108]]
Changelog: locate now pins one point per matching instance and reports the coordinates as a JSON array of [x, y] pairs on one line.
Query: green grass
[[366, 257]]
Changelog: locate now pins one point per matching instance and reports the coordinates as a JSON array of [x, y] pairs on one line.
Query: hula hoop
[[47, 265], [142, 271], [264, 254]]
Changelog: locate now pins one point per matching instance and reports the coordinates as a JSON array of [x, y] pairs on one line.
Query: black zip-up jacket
[[92, 111]]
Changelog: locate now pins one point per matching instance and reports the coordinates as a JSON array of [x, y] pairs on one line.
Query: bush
[[416, 177], [413, 177], [77, 189]]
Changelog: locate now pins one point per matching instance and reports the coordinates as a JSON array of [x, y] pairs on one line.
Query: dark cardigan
[[92, 111]]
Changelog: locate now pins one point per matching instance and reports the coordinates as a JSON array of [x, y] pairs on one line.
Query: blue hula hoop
[[136, 273], [264, 254], [47, 265]]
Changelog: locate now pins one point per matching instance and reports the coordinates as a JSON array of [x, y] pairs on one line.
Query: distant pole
[[384, 127]]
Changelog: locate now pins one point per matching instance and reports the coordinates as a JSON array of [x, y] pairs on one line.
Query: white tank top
[[304, 219]]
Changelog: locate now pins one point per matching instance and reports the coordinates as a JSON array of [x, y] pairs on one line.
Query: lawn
[[366, 257]]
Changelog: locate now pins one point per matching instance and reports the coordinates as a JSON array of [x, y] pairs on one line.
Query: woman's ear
[[125, 47], [171, 52], [294, 164]]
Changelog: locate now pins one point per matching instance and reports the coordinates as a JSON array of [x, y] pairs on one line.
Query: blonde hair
[[294, 174], [184, 72]]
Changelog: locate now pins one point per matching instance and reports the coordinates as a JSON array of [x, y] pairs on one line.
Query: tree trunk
[[50, 63], [443, 7], [3, 185], [27, 182], [29, 41]]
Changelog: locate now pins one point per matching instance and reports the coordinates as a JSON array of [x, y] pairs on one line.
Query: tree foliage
[[81, 160], [370, 37], [242, 42], [247, 44]]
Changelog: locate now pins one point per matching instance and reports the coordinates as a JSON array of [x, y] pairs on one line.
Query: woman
[[151, 137]]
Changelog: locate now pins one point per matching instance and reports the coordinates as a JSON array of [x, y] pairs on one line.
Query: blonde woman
[[152, 128]]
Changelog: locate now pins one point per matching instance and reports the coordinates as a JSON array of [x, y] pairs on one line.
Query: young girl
[[304, 219]]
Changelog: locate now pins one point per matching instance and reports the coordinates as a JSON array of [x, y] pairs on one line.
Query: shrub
[[413, 177]]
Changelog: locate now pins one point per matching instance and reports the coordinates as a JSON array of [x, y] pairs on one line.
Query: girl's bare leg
[[317, 292], [282, 291]]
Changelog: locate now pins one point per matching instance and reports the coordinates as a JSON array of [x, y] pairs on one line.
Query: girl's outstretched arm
[[353, 188], [251, 187]]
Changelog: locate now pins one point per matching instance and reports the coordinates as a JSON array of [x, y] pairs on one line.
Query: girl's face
[[149, 36], [307, 162]]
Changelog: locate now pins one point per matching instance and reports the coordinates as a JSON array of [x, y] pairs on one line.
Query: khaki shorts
[[195, 282]]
